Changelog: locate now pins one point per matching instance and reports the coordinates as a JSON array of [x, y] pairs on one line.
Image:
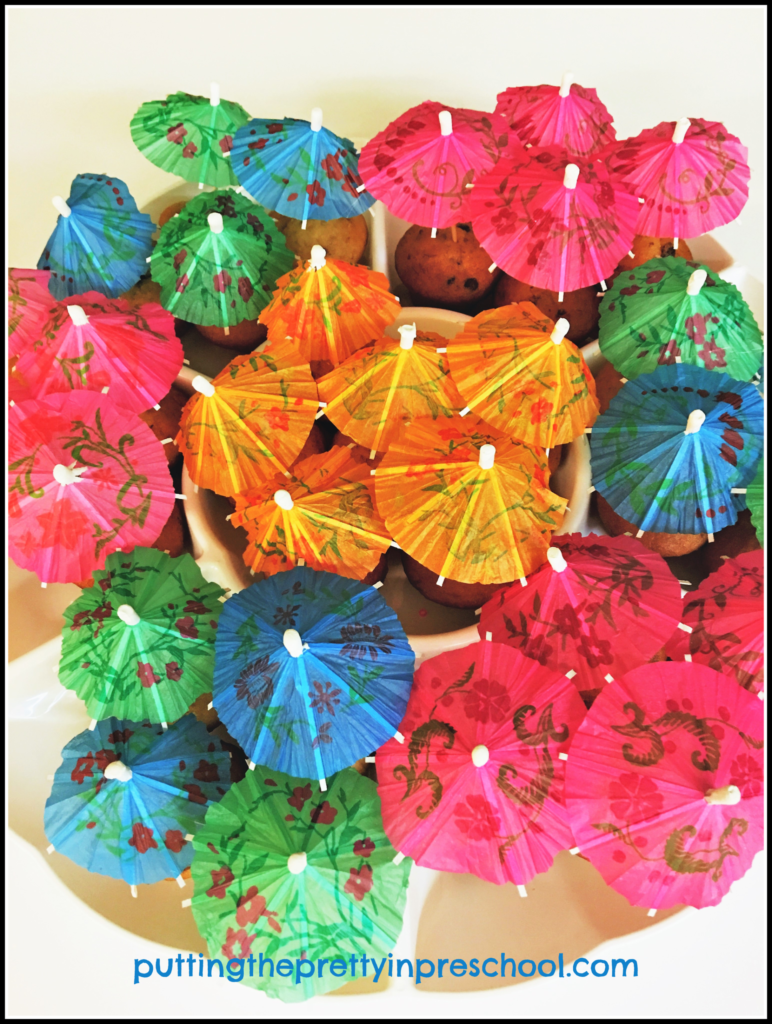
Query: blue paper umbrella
[[312, 671], [299, 168], [101, 241], [128, 797], [672, 446]]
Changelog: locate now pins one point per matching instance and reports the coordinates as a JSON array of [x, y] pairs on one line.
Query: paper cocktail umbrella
[[323, 516], [671, 310], [672, 445], [312, 671], [128, 797], [284, 870], [376, 392], [518, 372], [693, 175], [423, 163], [29, 302], [478, 784], [549, 115], [216, 262], [725, 616], [248, 423], [299, 168], [190, 135], [86, 478], [553, 220], [466, 502], [329, 308], [664, 784], [755, 501], [140, 642], [101, 241], [598, 607], [92, 343]]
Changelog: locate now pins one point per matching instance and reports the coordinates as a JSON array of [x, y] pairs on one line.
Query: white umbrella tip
[[570, 176], [61, 207], [556, 559], [487, 456], [316, 119], [480, 755], [214, 94], [119, 771], [202, 385], [446, 122], [560, 330], [296, 863], [77, 315], [128, 615], [293, 642], [215, 222], [407, 333], [682, 126], [284, 500], [318, 254], [565, 85], [696, 281], [695, 421]]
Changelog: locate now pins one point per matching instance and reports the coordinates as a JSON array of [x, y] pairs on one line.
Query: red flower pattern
[[206, 772], [82, 769], [221, 879], [63, 525], [176, 134], [363, 847], [174, 840], [146, 675], [240, 938], [540, 410], [747, 775], [190, 151], [195, 793], [299, 796], [186, 627], [173, 671], [246, 291], [277, 420], [105, 757], [359, 882], [251, 907], [142, 838], [476, 818], [487, 701], [316, 194], [634, 797], [221, 281], [331, 166], [324, 814]]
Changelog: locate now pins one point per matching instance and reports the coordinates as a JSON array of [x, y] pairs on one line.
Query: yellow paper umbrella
[[518, 371], [466, 502], [323, 516], [249, 422], [329, 308], [378, 391]]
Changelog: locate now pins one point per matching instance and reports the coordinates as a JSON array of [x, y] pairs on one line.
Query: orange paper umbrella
[[323, 515], [329, 308], [518, 371], [467, 502], [249, 422], [387, 385]]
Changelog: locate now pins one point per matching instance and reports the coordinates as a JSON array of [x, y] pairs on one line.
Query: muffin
[[452, 594], [608, 383], [580, 308], [171, 211], [342, 239], [244, 337], [145, 290], [165, 422], [669, 545], [442, 273], [732, 541], [646, 248]]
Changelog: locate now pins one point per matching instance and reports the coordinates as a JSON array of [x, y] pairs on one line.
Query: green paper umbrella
[[671, 310], [754, 498], [216, 263], [190, 135], [140, 642], [284, 870]]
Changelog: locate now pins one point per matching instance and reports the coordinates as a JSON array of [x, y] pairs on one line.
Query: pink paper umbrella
[[664, 784], [545, 115], [725, 618], [692, 175], [29, 302], [478, 783], [597, 608], [553, 220], [422, 164], [86, 478], [92, 343]]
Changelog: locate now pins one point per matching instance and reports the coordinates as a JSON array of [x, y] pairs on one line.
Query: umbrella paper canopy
[[672, 445], [726, 619], [190, 135], [670, 310], [129, 796], [664, 784], [553, 220], [282, 870], [466, 502], [478, 785], [92, 343], [29, 302], [140, 643], [378, 391], [323, 515], [597, 608], [250, 422], [549, 115], [519, 372], [312, 671], [86, 478], [755, 500], [101, 241], [422, 164], [693, 175], [329, 308], [299, 168], [216, 263]]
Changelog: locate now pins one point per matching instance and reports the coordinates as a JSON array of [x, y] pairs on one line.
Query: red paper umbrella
[[86, 478], [664, 784], [569, 116], [478, 784], [29, 302], [92, 343], [597, 608], [726, 619], [422, 163], [553, 220], [692, 174]]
